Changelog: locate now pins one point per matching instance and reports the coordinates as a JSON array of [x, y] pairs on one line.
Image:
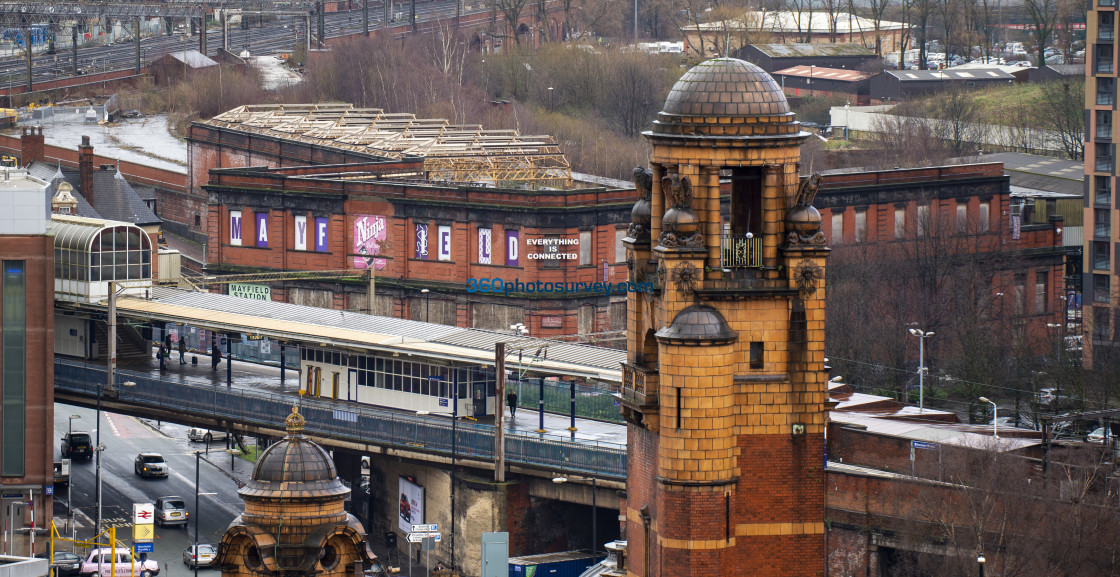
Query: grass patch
[[252, 453]]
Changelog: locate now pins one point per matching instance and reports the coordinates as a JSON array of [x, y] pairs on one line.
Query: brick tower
[[724, 389]]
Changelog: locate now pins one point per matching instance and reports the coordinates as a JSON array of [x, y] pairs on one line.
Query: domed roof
[[295, 466], [727, 99], [698, 324], [726, 87]]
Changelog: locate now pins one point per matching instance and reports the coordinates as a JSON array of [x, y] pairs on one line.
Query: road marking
[[112, 425]]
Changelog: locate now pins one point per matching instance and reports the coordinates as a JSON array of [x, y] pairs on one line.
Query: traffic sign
[[48, 490], [419, 537], [143, 513], [925, 445], [145, 547], [429, 528]]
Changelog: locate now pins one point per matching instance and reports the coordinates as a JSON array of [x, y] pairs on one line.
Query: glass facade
[[113, 253], [13, 335], [394, 374]]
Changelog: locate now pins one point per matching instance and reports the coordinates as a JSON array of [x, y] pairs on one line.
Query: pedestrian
[[511, 400], [162, 354], [182, 350], [167, 342], [215, 357]]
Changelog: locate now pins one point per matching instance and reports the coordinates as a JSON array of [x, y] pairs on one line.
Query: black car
[[77, 445], [65, 564]]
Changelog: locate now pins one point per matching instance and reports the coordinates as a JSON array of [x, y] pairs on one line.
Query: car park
[[205, 435], [150, 465], [65, 564], [77, 445], [205, 557], [171, 510]]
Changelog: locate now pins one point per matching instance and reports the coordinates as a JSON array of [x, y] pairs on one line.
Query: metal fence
[[349, 422], [591, 402]]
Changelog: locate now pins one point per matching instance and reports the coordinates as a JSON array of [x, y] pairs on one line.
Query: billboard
[[411, 511], [369, 236]]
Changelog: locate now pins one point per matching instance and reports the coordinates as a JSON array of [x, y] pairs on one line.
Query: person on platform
[[182, 350], [162, 355], [511, 400], [215, 357]]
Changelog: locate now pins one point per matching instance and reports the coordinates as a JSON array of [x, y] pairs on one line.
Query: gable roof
[[949, 74], [193, 58], [113, 198]]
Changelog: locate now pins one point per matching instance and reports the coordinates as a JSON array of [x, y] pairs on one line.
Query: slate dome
[[698, 324], [294, 466]]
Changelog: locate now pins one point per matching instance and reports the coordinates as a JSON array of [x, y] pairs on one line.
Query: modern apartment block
[[1100, 256]]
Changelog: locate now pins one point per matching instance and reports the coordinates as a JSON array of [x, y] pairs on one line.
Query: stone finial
[[295, 422]]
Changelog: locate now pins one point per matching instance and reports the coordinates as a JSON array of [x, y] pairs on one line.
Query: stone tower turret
[[724, 389]]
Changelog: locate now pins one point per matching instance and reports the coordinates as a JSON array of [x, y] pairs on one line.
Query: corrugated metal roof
[[801, 50], [950, 74], [328, 326]]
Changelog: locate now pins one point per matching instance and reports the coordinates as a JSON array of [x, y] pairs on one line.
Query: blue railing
[[349, 422]]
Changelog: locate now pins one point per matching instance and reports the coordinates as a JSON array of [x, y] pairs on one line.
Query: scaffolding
[[450, 153]]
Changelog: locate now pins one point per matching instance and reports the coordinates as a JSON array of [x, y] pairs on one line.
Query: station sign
[[428, 528], [925, 445], [148, 547]]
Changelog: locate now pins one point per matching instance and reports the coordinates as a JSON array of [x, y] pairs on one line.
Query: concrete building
[[724, 386], [26, 364]]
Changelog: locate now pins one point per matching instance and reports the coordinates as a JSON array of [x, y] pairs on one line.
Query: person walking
[[167, 342], [182, 350], [162, 354], [511, 400], [215, 357]]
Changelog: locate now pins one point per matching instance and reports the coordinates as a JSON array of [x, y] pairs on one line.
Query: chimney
[[85, 170], [31, 145]]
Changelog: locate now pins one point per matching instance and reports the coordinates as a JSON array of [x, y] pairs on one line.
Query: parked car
[[76, 445], [171, 510], [205, 557], [205, 435], [65, 564], [119, 559], [1097, 436], [62, 472], [150, 465]]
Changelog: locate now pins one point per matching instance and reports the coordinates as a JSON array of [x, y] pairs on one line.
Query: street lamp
[[980, 564], [454, 414], [594, 512], [69, 503], [551, 101], [995, 420], [922, 336], [425, 293], [1058, 359]]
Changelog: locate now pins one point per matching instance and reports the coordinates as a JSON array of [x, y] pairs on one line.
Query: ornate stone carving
[[803, 221], [685, 276], [680, 227], [661, 273], [640, 215], [806, 274]]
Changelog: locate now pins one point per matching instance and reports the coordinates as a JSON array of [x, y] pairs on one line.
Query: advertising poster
[[411, 505], [512, 255], [321, 234], [422, 241], [484, 246], [369, 236], [235, 227], [444, 239], [262, 229], [301, 233]]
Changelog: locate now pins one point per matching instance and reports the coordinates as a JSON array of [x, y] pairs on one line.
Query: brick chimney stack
[[31, 145], [85, 169]]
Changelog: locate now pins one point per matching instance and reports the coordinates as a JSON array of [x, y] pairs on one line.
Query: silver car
[[150, 465], [205, 557]]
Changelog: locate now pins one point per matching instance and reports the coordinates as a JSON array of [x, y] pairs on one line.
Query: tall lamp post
[[922, 336], [425, 293], [995, 418], [1058, 359], [197, 467], [980, 564], [69, 502]]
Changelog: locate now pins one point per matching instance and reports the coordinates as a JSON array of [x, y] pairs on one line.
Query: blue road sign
[[925, 445], [48, 490], [145, 547]]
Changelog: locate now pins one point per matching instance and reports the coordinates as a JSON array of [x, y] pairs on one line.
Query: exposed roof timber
[[454, 153]]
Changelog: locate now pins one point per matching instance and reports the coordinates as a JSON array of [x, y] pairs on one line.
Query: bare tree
[[957, 121], [878, 8], [924, 10], [1043, 15], [1065, 102], [511, 11]]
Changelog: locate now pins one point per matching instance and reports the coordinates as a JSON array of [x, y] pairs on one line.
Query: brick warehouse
[[724, 386], [416, 230]]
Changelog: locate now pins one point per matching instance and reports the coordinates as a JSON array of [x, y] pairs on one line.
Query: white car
[[117, 563], [205, 435], [1097, 436]]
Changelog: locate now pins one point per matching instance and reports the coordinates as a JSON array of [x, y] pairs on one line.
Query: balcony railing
[[737, 251], [1106, 33], [1106, 98], [639, 385], [1106, 3], [1104, 164], [1104, 66], [1104, 132]]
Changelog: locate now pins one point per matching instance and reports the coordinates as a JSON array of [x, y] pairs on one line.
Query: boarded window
[[585, 248], [496, 317]]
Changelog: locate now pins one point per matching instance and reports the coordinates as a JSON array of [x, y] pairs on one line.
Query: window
[[1106, 91], [1101, 288], [197, 219], [235, 227], [299, 223], [1100, 255], [1104, 125], [585, 247], [899, 222], [962, 217], [1104, 59], [985, 216], [1105, 28], [837, 228], [13, 336], [861, 226], [1101, 223], [1041, 279], [757, 351], [923, 220], [1020, 296], [1102, 194], [619, 248], [1104, 157], [1101, 324], [484, 256]]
